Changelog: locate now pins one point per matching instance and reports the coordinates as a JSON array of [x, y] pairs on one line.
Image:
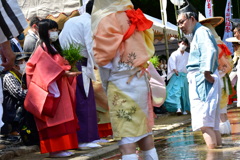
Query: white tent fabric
[[43, 8], [158, 26]]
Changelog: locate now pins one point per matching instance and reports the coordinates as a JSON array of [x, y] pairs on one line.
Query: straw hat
[[233, 39], [62, 18], [22, 56], [214, 21]]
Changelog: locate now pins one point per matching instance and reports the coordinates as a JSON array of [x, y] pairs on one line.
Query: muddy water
[[183, 144]]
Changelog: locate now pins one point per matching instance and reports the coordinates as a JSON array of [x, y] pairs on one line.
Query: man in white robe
[[77, 31], [234, 75], [203, 77], [177, 88]]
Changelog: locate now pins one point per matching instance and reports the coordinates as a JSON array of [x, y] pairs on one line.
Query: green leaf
[[155, 61], [72, 53]]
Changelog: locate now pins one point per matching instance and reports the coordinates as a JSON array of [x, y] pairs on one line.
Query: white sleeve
[[53, 89], [172, 62]]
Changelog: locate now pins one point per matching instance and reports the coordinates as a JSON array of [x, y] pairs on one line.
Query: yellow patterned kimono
[[122, 68], [225, 67]]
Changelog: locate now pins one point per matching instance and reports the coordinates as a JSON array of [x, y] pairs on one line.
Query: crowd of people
[[41, 92], [44, 102]]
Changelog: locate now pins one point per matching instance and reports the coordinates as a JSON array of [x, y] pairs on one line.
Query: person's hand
[[95, 67], [208, 76], [176, 72], [8, 57], [71, 74]]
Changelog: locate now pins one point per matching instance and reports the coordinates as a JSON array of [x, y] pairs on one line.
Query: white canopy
[[158, 26], [43, 8]]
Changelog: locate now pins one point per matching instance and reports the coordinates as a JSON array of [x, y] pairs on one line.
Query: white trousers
[[205, 113]]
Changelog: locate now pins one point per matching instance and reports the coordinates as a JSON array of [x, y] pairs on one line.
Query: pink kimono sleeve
[[107, 40]]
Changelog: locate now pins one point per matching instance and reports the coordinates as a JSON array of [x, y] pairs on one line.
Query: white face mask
[[182, 47], [53, 36], [189, 37], [22, 68]]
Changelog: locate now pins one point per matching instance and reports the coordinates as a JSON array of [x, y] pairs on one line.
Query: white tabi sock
[[150, 154], [225, 127], [130, 157], [229, 126]]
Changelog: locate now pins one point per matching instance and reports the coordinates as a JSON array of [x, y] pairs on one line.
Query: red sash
[[138, 21]]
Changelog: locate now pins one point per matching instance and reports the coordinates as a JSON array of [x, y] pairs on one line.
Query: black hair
[[236, 43], [191, 14], [89, 6], [183, 39], [234, 26], [34, 20], [45, 25]]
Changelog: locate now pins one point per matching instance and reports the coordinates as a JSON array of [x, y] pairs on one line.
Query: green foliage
[[155, 61], [72, 53]]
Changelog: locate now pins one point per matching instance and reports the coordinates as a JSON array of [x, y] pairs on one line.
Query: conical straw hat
[[214, 21]]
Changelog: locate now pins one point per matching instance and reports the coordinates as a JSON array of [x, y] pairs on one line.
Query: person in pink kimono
[[51, 94]]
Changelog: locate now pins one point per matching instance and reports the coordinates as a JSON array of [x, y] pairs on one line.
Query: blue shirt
[[203, 56], [203, 50]]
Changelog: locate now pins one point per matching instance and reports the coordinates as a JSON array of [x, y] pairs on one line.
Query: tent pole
[[212, 9], [179, 33], [164, 29]]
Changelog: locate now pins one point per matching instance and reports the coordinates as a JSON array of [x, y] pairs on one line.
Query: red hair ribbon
[[225, 51]]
